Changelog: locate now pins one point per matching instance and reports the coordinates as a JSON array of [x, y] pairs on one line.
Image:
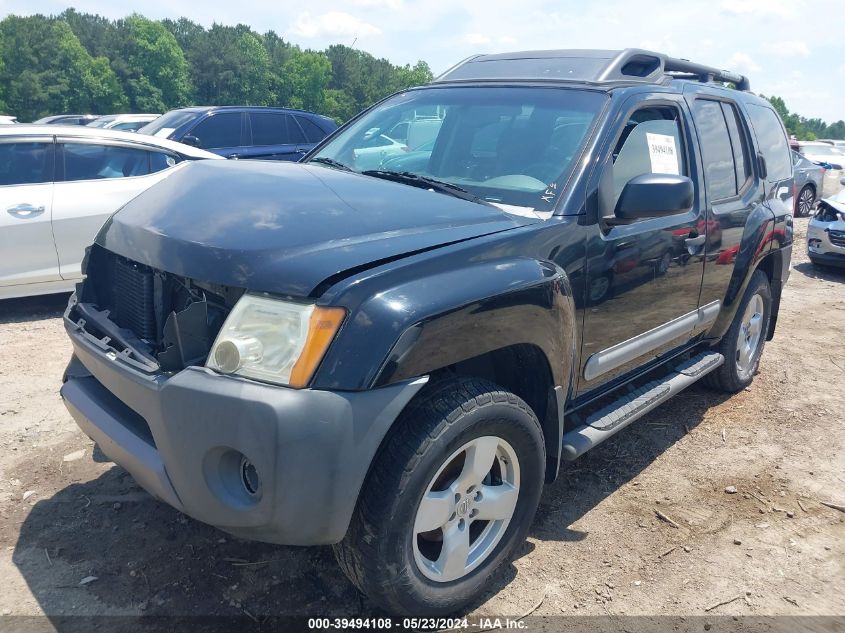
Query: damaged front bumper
[[259, 461], [826, 234]]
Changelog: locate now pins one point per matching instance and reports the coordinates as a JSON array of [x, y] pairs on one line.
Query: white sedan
[[58, 185]]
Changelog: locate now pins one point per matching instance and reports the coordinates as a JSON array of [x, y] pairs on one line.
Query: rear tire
[[742, 345], [419, 543]]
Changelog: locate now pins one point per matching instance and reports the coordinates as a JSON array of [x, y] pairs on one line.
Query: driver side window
[[651, 142]]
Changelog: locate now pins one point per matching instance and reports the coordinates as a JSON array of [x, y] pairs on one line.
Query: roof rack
[[685, 69], [590, 66]]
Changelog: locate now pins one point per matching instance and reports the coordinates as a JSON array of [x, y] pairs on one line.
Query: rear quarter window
[[771, 137]]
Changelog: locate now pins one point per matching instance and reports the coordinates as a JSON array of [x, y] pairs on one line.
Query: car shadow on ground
[[33, 308], [827, 273], [150, 559]]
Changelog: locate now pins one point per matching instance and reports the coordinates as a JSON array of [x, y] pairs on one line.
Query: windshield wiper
[[424, 182], [331, 162]]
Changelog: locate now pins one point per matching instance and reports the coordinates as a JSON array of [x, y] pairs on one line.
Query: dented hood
[[286, 227]]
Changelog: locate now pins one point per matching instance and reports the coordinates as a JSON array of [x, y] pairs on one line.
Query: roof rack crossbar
[[705, 73]]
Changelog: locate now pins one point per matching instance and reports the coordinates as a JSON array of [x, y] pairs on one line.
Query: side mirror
[[191, 140], [655, 196], [842, 182]]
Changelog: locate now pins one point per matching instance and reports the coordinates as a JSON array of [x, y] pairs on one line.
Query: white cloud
[[741, 62], [506, 39], [476, 38], [387, 4], [332, 23], [787, 48], [779, 8]]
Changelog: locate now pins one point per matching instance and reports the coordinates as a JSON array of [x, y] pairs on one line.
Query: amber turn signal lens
[[322, 327]]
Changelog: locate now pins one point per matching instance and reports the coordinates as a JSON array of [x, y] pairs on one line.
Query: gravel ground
[[597, 545]]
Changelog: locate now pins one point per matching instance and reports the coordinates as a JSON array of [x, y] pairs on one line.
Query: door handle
[[233, 156], [25, 211]]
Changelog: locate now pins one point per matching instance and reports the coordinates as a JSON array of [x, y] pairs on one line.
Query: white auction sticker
[[663, 155]]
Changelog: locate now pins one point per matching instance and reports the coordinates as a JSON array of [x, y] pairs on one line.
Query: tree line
[[81, 63], [806, 129]]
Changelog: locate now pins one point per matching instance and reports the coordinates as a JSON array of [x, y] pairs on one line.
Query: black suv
[[394, 359], [244, 131]]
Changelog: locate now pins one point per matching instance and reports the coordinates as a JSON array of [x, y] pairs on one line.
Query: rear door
[[732, 193], [313, 132], [275, 136], [643, 276], [224, 133], [95, 179], [26, 199]]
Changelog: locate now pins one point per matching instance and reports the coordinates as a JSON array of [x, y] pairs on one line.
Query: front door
[[643, 276], [26, 199]]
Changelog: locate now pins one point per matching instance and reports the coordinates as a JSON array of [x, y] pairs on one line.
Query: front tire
[[449, 498], [806, 200], [742, 345]]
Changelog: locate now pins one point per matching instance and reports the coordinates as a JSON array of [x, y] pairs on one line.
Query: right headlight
[[274, 340]]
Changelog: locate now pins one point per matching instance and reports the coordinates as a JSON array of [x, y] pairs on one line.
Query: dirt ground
[[597, 545]]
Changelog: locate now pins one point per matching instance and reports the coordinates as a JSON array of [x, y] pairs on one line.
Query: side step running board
[[616, 416]]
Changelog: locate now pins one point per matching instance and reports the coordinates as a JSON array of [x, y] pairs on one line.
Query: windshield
[[103, 121], [821, 150], [167, 123], [509, 146]]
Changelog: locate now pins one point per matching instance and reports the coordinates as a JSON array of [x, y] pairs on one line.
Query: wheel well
[[768, 267], [523, 370]]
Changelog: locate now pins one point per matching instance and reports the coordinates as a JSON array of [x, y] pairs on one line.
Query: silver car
[[826, 232], [809, 183]]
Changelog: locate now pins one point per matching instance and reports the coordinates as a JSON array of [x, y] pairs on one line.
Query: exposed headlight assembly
[[273, 340]]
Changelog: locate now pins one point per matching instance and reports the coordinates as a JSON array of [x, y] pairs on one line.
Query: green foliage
[[304, 79], [47, 70], [154, 69], [78, 62], [806, 129]]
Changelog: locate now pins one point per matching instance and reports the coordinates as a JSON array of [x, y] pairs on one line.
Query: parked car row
[[57, 188], [59, 184]]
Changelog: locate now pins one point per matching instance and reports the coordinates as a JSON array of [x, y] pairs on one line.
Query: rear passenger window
[[771, 138], [87, 161], [313, 132], [295, 133], [26, 163], [650, 143], [219, 130], [268, 128], [716, 149], [742, 165], [274, 128]]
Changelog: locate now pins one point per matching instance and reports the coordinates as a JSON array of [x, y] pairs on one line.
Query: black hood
[[285, 227]]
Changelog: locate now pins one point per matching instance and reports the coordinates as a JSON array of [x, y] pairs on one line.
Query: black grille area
[[837, 238], [132, 293]]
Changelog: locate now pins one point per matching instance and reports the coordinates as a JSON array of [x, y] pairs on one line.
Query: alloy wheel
[[466, 509], [805, 202], [750, 335]]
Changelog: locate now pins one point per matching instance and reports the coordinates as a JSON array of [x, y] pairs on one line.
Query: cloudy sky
[[783, 45]]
